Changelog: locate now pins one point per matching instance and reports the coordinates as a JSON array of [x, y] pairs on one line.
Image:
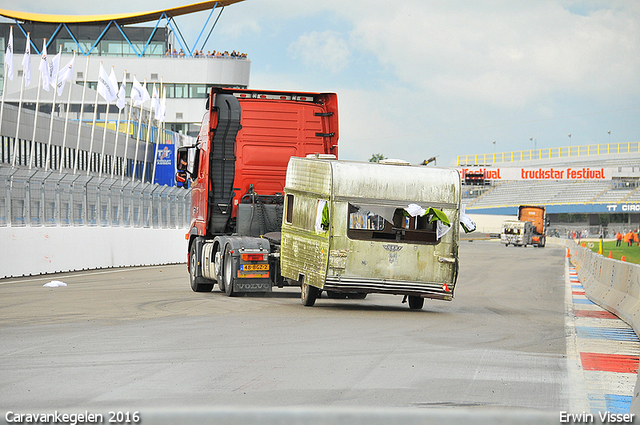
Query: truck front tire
[[198, 283]]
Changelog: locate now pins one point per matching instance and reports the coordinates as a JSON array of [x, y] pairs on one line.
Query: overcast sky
[[420, 78]]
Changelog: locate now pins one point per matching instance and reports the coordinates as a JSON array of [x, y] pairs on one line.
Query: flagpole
[[35, 118], [4, 79], [135, 160], [104, 136], [53, 107], [115, 143], [146, 146], [22, 84], [66, 120], [84, 90], [155, 151], [15, 141], [93, 129], [126, 141]]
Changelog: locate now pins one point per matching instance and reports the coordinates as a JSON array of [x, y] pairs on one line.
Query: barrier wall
[[613, 285], [26, 251]]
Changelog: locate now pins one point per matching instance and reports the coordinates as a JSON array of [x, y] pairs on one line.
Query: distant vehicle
[[529, 229], [537, 216], [517, 233]]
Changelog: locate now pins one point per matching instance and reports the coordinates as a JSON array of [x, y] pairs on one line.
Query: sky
[[432, 78]]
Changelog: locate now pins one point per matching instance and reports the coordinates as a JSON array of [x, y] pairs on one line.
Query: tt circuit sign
[[634, 208]]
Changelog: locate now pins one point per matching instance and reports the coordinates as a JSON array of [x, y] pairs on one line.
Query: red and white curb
[[602, 353]]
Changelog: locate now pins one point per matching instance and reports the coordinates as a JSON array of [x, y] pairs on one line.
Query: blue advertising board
[[165, 165]]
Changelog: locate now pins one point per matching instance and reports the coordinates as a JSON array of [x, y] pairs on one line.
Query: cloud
[[506, 57], [326, 49]]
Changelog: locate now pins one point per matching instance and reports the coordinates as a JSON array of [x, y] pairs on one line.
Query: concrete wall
[[613, 285], [26, 251]]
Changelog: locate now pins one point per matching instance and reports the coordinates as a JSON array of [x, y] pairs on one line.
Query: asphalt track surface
[[139, 338]]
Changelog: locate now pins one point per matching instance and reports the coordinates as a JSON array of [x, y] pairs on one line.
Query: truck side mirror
[[187, 163]]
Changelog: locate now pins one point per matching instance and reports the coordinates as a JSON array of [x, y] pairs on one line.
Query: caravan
[[353, 228]]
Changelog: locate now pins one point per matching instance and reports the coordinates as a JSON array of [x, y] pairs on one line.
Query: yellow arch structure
[[121, 18]]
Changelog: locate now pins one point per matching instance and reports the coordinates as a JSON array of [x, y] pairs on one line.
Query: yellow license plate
[[254, 267]]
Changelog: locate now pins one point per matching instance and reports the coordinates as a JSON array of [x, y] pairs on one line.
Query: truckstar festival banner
[[165, 165], [552, 173]]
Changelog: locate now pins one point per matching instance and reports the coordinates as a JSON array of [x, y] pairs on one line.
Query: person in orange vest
[[618, 238], [628, 237]]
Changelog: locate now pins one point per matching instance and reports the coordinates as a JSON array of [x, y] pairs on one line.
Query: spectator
[[618, 238], [181, 54], [628, 237]]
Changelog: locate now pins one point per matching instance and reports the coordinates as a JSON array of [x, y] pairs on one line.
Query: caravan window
[[288, 218], [373, 222]]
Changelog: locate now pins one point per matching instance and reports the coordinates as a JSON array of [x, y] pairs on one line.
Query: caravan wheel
[[309, 294], [415, 303]]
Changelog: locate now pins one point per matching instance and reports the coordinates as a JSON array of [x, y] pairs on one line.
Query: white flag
[[122, 94], [162, 107], [54, 66], [26, 62], [106, 89], [8, 55], [65, 74], [155, 102], [44, 67], [114, 82], [139, 94]]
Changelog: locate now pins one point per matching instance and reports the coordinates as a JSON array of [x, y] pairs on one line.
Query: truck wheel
[[415, 303], [543, 241], [217, 266], [229, 269], [309, 294], [194, 268]]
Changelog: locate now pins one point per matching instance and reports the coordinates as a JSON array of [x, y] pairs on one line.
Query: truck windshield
[[372, 222]]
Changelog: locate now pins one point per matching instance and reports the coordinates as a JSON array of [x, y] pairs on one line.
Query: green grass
[[631, 253]]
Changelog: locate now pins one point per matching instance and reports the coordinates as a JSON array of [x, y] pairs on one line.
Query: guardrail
[[615, 286], [548, 153], [54, 222], [50, 198]]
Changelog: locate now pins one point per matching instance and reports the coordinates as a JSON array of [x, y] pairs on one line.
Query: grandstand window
[[197, 91]]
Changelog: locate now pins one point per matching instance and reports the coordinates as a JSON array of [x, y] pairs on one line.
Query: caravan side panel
[[304, 251]]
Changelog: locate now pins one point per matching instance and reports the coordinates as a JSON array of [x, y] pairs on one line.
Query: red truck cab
[[238, 167]]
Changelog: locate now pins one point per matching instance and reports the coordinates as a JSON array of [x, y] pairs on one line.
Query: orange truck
[[537, 216]]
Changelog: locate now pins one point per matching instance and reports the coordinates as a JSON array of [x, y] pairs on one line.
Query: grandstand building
[[119, 41], [594, 187], [78, 131]]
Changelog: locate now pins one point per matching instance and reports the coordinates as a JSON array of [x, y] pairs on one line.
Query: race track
[[139, 338]]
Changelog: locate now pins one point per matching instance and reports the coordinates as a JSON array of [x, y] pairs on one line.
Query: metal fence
[[52, 198]]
